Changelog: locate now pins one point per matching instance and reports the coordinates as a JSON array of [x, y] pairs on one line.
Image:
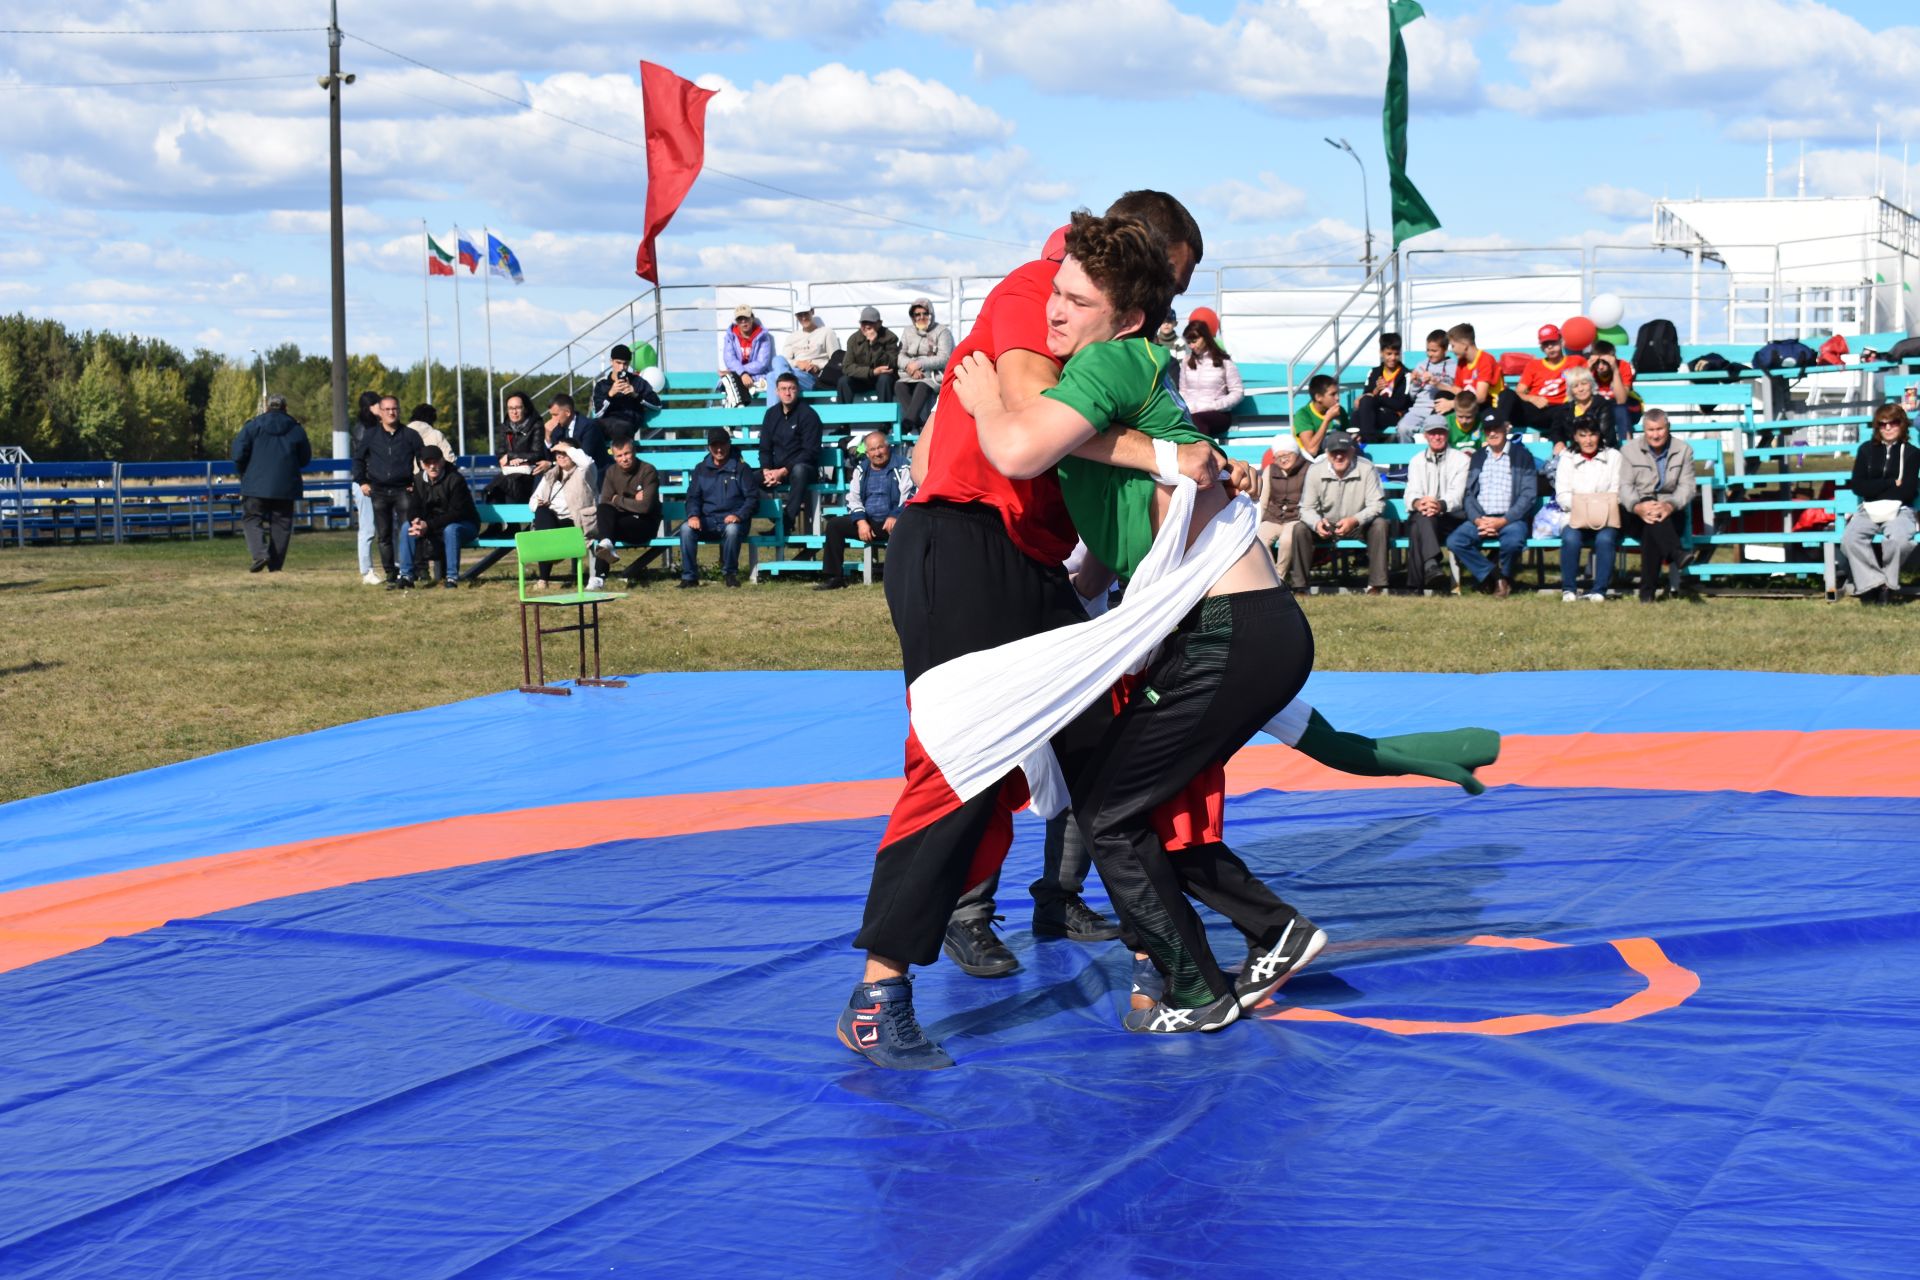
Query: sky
[[175, 185]]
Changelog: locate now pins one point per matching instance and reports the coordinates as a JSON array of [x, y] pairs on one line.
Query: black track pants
[[1232, 665]]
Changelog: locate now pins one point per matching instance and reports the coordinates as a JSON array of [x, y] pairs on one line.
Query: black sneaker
[[687, 584], [830, 584], [878, 1024], [1267, 968], [1162, 1019], [730, 580], [1073, 919], [973, 945], [258, 565]]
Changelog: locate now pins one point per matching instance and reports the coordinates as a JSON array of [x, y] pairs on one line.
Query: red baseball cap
[[1549, 333]]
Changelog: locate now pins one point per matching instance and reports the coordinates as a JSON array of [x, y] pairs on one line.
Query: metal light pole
[[1366, 214], [331, 82], [262, 362]]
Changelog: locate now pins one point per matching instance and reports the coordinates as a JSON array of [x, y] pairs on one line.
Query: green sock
[[1450, 756]]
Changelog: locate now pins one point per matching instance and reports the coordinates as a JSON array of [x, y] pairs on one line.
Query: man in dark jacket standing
[[790, 449], [383, 468], [871, 362], [269, 453], [722, 493], [444, 518]]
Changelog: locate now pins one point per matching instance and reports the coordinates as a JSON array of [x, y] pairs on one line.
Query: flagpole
[[486, 285], [459, 348], [426, 301]]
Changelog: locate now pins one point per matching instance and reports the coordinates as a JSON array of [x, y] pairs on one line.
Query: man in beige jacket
[[1343, 499]]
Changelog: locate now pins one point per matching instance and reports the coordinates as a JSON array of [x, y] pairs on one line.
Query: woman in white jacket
[[1586, 484], [1209, 381]]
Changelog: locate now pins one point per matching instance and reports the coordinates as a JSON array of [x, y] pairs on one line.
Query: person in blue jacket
[[269, 453], [722, 493], [1503, 485]]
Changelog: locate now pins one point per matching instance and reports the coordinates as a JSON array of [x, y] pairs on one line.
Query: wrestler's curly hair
[[1126, 260]]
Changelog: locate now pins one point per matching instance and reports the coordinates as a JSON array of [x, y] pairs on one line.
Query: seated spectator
[[925, 348], [1886, 478], [1435, 370], [1656, 488], [876, 491], [1209, 380], [629, 512], [1320, 414], [1283, 475], [431, 437], [268, 454], [1613, 382], [722, 493], [1436, 498], [790, 450], [811, 348], [871, 362], [383, 468], [1342, 498], [746, 353], [1168, 336], [623, 402], [1463, 421], [1503, 484], [1473, 370], [443, 516], [1583, 406], [565, 495], [1543, 383], [1586, 484], [1387, 396], [523, 453], [584, 434]]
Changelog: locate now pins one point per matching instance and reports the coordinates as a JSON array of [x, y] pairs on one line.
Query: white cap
[[1285, 443]]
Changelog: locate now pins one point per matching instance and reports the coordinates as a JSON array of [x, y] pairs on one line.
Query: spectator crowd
[[1473, 489]]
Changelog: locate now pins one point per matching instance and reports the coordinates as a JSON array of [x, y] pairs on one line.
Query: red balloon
[[1206, 316], [1579, 333]]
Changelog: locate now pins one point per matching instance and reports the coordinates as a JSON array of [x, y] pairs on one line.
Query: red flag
[[676, 112]]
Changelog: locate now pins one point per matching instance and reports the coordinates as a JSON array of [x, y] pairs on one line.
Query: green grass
[[118, 659]]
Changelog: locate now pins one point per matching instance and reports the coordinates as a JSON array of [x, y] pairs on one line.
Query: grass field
[[117, 659]]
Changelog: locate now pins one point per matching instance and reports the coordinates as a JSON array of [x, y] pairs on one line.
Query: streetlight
[[1366, 211], [262, 362], [1366, 214]]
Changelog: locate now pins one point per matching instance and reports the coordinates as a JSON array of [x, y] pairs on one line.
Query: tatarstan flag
[[439, 261]]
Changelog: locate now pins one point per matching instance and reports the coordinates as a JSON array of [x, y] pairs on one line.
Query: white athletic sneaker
[[608, 553], [596, 583], [1597, 597], [372, 578], [1568, 597]]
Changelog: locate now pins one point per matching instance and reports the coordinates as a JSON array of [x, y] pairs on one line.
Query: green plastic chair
[[537, 546]]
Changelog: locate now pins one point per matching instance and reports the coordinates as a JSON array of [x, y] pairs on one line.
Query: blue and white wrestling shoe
[[879, 1025]]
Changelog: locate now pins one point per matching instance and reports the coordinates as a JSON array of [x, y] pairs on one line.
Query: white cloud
[[1624, 203], [1237, 200], [1296, 57], [1812, 69]]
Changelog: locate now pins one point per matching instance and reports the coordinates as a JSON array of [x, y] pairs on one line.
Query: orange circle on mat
[[1668, 986]]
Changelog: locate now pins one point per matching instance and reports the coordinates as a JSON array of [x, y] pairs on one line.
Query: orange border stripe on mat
[[52, 920]]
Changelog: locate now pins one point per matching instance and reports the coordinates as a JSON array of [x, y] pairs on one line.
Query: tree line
[[70, 396]]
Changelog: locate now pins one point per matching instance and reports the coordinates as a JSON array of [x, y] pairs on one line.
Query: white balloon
[[1606, 311], [653, 377]]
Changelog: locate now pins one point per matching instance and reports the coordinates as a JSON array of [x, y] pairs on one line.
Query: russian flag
[[469, 256]]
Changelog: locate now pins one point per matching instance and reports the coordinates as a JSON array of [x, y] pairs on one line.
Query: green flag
[[1411, 213]]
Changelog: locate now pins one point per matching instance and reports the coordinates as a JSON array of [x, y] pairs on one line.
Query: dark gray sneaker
[[1164, 1019], [973, 945], [1072, 919], [1267, 968]]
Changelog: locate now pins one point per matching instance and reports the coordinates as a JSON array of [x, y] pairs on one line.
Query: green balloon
[[1617, 335]]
